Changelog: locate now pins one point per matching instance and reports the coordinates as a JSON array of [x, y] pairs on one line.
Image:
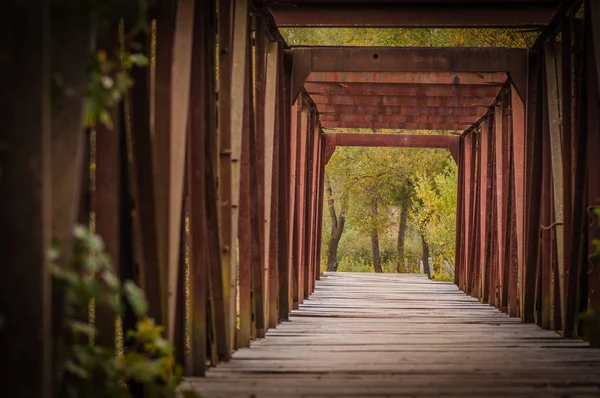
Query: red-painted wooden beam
[[473, 111], [396, 126], [428, 90], [454, 78], [403, 100], [429, 119], [392, 140]]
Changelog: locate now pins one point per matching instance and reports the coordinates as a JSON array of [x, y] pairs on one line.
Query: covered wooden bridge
[[229, 130]]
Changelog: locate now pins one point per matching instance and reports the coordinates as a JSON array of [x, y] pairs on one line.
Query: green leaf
[[82, 327], [136, 298], [112, 282], [138, 60]]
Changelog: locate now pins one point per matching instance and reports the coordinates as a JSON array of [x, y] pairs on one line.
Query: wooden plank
[[25, 187], [436, 340], [393, 140], [553, 76]]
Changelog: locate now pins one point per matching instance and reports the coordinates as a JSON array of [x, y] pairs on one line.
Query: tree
[[337, 226]]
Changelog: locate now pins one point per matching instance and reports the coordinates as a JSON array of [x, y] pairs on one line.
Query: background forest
[[387, 209]]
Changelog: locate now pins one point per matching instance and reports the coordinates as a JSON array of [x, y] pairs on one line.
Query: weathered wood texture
[[403, 335]]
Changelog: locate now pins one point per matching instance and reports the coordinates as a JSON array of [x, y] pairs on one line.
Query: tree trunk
[[337, 227], [426, 267], [401, 236], [375, 239]]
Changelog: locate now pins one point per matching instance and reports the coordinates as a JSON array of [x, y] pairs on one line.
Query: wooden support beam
[[257, 146], [485, 217], [202, 125], [459, 239], [225, 180], [553, 76], [239, 78], [161, 125], [456, 78], [426, 119], [501, 199], [577, 232], [400, 89], [301, 199], [409, 59], [474, 112], [518, 148], [25, 189], [532, 188], [284, 246], [273, 250], [466, 228], [244, 217], [415, 15], [293, 205], [397, 126], [392, 140], [469, 100], [272, 77]]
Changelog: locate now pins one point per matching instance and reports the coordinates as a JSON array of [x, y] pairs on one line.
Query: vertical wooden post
[[518, 148], [293, 184], [553, 81], [284, 188], [203, 125], [225, 169], [273, 252], [257, 146], [301, 198], [533, 188], [25, 189], [485, 209], [270, 108], [460, 193], [161, 131]]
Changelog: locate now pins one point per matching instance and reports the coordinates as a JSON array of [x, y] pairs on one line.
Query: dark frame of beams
[[422, 14]]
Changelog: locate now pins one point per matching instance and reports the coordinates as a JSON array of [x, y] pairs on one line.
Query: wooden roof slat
[[402, 100], [472, 111], [437, 90], [485, 78]]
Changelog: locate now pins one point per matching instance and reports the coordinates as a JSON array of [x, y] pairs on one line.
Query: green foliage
[[409, 37], [108, 81], [90, 370], [435, 215]]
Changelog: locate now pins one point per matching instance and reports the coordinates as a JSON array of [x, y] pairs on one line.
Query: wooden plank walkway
[[397, 335]]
